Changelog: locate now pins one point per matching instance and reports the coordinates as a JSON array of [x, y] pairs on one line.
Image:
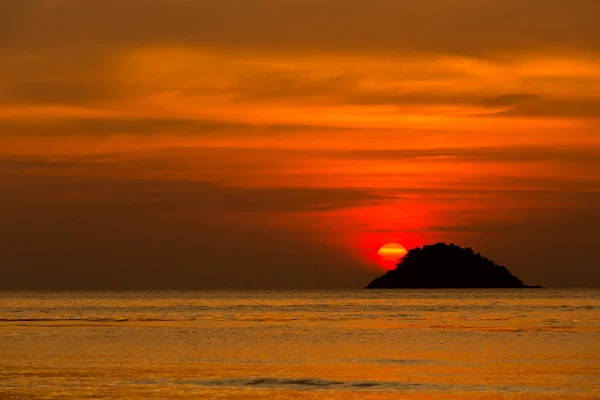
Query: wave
[[310, 384], [206, 317], [58, 319], [307, 383], [157, 319]]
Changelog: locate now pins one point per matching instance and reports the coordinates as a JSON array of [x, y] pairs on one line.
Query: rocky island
[[446, 266]]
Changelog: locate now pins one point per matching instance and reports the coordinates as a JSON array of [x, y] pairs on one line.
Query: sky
[[268, 144]]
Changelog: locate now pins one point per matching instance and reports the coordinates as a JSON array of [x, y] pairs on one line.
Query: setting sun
[[392, 252]]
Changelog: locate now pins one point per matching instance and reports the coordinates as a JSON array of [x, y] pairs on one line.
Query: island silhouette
[[445, 266]]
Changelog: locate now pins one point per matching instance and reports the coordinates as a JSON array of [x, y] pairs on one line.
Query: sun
[[392, 252]]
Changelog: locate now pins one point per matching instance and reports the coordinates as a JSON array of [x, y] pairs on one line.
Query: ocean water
[[429, 344]]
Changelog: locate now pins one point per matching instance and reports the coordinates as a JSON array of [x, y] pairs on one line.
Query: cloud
[[201, 197], [281, 85], [555, 108], [110, 126], [506, 100], [480, 154], [56, 93], [268, 59], [388, 25], [366, 88]]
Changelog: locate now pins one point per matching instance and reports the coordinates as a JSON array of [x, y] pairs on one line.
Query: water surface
[[430, 344]]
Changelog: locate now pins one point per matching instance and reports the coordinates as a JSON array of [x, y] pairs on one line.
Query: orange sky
[[264, 143]]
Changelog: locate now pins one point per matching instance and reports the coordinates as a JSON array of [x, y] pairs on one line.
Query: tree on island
[[444, 265]]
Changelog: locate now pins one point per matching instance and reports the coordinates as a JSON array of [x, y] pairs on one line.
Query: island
[[446, 266]]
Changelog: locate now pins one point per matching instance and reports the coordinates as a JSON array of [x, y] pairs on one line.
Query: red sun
[[390, 254]]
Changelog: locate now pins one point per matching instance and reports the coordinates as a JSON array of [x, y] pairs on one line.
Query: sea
[[354, 344]]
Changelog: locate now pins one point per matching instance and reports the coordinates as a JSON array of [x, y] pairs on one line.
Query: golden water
[[448, 344]]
